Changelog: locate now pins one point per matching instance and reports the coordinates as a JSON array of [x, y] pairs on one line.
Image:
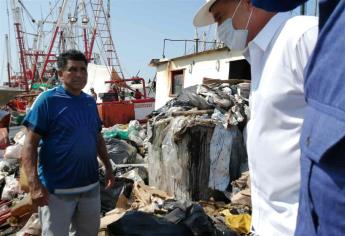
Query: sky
[[139, 28]]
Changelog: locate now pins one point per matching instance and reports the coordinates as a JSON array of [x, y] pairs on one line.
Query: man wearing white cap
[[277, 46]]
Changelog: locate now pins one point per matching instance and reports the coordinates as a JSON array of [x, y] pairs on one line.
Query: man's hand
[[39, 195], [103, 155], [109, 179]]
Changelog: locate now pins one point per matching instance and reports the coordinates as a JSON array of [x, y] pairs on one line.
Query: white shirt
[[278, 56]]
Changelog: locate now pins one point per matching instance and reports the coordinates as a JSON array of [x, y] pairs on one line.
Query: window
[[239, 69], [176, 82]]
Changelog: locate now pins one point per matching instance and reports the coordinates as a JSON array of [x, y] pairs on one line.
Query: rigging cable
[[51, 11], [27, 12]]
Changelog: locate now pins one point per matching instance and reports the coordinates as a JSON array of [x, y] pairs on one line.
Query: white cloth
[[97, 76], [278, 56]]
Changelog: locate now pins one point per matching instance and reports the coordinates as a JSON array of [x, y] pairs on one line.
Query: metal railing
[[198, 45]]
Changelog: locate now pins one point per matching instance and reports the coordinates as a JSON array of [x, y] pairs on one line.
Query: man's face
[[224, 9], [74, 75]]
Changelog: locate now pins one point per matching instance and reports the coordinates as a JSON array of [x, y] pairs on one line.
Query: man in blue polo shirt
[[322, 199], [65, 186]]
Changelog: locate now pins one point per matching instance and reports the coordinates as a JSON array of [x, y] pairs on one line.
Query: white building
[[185, 71]]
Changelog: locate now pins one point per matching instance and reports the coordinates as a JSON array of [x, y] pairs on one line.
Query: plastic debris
[[11, 189], [239, 223], [13, 152]]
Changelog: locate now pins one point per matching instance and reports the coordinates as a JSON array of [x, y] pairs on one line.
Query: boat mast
[[35, 48], [8, 59], [84, 22], [52, 41], [102, 29], [18, 22], [8, 47]]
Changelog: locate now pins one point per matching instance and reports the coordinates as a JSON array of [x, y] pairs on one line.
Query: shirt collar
[[266, 35], [62, 90]]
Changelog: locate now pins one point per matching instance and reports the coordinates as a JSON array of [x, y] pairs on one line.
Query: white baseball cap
[[204, 17]]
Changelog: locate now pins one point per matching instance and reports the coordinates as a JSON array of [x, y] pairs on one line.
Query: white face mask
[[233, 39]]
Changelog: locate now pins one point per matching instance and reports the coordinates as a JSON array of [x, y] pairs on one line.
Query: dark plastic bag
[[194, 217], [189, 94], [136, 223], [110, 196]]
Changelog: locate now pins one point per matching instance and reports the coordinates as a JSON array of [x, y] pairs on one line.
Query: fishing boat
[[84, 25]]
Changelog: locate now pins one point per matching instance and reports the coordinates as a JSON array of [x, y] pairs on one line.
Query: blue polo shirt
[[69, 126]]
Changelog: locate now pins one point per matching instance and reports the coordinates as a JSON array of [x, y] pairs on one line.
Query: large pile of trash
[[196, 152], [196, 146]]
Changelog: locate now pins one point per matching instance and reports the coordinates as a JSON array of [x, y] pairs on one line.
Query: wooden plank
[[219, 81], [192, 112]]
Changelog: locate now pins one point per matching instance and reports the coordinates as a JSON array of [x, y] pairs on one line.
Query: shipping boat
[[84, 25]]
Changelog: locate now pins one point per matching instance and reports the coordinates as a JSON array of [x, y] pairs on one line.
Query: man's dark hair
[[71, 54]]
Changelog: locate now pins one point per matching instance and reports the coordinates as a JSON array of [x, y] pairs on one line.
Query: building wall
[[162, 86], [214, 64]]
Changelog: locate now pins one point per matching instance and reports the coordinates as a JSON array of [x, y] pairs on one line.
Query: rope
[[51, 11]]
